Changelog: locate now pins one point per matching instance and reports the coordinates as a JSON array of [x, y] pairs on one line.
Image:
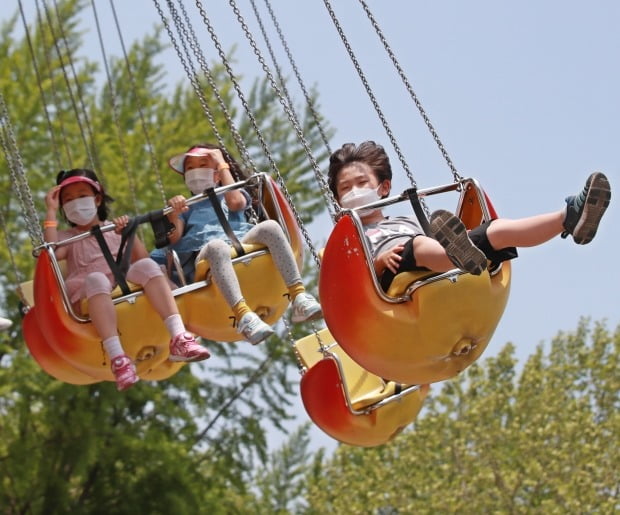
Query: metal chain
[[143, 124], [48, 119], [54, 91], [19, 278], [248, 163], [310, 103], [250, 115], [373, 99], [115, 115], [61, 61], [329, 199], [18, 176], [414, 97], [80, 95]]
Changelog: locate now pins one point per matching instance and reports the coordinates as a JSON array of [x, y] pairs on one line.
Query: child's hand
[[389, 259], [178, 203], [120, 222], [52, 199]]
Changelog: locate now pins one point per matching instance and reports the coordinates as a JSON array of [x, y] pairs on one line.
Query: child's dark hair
[[102, 209], [368, 152], [238, 173]]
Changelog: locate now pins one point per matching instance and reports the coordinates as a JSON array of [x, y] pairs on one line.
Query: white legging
[[268, 233], [140, 272]]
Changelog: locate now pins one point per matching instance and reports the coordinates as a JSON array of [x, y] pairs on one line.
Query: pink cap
[[81, 178], [176, 162]]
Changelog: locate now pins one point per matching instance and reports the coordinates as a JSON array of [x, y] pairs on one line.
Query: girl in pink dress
[[82, 200]]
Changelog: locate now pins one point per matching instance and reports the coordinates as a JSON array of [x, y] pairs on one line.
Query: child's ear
[[98, 199], [384, 188]]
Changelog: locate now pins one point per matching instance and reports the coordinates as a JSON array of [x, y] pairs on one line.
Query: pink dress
[[85, 257]]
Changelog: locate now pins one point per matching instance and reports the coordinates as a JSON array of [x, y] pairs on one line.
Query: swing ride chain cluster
[[54, 94], [318, 175], [195, 46], [414, 97], [293, 120], [115, 113], [288, 110], [40, 87], [18, 176], [291, 116], [253, 121], [143, 123], [188, 34], [310, 103], [373, 99], [87, 147], [187, 65], [182, 31]]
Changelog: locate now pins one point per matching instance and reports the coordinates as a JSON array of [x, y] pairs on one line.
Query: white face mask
[[199, 179], [80, 211], [359, 197]]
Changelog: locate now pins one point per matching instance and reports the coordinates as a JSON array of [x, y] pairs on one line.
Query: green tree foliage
[[186, 445], [494, 440]]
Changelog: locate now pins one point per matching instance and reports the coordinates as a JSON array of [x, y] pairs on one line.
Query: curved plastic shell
[[347, 402], [439, 332], [47, 358], [143, 334], [205, 310]]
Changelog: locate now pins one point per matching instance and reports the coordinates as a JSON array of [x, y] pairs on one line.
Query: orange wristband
[[47, 224], [223, 166]]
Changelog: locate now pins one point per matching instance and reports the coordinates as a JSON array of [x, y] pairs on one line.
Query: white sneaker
[[5, 323], [305, 307], [253, 328]]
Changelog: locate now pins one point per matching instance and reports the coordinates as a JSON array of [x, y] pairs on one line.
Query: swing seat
[[429, 327], [349, 403], [69, 349], [202, 305]]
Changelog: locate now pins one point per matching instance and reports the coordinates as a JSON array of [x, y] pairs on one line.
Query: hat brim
[[80, 178], [177, 162]]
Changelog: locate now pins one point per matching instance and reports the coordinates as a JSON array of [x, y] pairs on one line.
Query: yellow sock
[[240, 309], [295, 290]]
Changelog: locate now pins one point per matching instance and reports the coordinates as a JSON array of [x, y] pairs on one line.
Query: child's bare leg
[[430, 254], [103, 315], [183, 346], [525, 232], [160, 296]]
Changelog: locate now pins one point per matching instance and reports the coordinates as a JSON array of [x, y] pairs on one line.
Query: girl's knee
[[143, 270], [96, 283]]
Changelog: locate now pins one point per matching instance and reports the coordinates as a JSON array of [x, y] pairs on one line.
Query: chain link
[[37, 72], [18, 176], [329, 198], [143, 124], [74, 104], [414, 97], [54, 92], [252, 119], [115, 114], [195, 46]]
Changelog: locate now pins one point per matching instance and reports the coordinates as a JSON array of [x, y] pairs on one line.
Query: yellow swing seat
[[429, 327], [349, 403], [67, 346], [202, 305]]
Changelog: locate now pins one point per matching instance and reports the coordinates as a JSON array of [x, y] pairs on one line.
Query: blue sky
[[524, 96]]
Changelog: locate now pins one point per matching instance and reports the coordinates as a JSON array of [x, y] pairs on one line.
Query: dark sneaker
[[451, 233], [585, 210]]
